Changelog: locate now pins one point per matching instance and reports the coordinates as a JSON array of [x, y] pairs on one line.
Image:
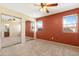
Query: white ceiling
[[33, 11]]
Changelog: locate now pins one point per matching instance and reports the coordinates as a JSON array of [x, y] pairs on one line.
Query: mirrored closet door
[[11, 30]]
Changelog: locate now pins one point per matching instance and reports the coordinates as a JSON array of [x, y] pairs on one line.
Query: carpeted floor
[[40, 48]]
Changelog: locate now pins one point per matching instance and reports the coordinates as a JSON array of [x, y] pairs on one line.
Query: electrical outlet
[[52, 38]]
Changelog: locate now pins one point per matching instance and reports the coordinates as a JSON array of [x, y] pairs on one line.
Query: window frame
[[76, 23], [37, 25], [32, 29]]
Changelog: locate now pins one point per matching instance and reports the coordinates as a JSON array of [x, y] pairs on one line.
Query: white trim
[[35, 30], [76, 24]]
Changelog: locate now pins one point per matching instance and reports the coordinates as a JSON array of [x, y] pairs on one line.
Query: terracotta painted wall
[[52, 27], [27, 29]]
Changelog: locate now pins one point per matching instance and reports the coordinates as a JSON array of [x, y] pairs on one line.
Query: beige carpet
[[40, 48]]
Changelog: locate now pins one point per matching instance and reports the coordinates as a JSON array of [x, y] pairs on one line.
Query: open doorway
[[30, 30]]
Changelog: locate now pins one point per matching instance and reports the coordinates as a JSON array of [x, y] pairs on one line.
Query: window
[[70, 23], [39, 25], [32, 26]]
